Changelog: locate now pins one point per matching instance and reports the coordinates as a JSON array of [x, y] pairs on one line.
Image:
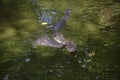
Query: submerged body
[[58, 37], [67, 13], [57, 41], [46, 41], [61, 23]]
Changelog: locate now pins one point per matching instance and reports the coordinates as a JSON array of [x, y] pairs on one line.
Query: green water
[[94, 25]]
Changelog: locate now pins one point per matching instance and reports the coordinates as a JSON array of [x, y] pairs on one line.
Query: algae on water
[[93, 25]]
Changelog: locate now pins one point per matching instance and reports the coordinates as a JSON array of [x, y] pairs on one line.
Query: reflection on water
[[96, 34]]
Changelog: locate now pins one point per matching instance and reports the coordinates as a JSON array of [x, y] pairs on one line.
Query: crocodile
[[46, 41], [57, 39]]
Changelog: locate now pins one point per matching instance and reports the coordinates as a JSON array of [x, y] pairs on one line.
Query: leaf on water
[[91, 54], [44, 23], [89, 60], [75, 56]]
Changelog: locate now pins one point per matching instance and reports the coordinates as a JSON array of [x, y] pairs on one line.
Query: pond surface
[[93, 25]]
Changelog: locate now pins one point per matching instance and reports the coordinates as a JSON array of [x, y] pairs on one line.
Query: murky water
[[92, 25]]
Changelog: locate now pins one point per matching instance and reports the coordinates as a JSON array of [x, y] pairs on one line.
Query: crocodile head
[[70, 46], [58, 37]]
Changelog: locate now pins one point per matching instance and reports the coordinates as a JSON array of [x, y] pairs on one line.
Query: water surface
[[93, 25]]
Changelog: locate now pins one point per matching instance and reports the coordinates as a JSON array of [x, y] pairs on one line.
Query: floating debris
[[27, 60], [83, 66], [50, 70], [75, 56], [44, 23], [79, 61], [91, 54], [89, 60]]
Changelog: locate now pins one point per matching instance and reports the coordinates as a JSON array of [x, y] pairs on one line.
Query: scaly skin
[[46, 41], [58, 37], [61, 23]]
